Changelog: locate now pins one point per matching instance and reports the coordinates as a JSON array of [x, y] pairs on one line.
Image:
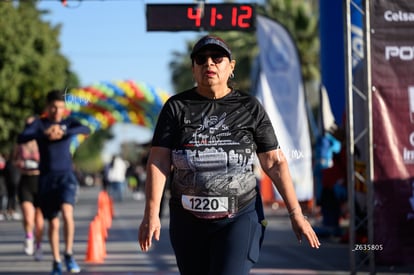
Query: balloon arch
[[101, 105]]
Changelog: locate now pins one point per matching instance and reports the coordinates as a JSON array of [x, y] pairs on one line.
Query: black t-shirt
[[213, 143]]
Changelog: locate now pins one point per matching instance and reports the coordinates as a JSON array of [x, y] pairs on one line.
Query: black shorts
[[28, 190], [56, 189]]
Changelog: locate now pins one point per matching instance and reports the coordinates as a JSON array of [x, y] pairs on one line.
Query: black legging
[[225, 247], [3, 192], [12, 177], [11, 195]]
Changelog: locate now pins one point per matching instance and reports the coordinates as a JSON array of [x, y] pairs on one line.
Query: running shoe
[[29, 246], [38, 255], [71, 265], [57, 269], [16, 216]]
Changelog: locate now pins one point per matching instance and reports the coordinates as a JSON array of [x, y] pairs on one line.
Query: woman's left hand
[[301, 226]]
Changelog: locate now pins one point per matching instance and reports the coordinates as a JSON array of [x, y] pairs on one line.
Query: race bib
[[31, 164], [205, 204]]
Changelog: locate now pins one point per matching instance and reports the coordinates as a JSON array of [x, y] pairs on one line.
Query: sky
[[107, 40]]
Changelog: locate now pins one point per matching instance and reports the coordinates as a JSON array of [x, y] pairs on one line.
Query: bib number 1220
[[205, 204]]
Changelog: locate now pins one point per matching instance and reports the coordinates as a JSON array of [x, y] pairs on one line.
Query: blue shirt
[[55, 155]]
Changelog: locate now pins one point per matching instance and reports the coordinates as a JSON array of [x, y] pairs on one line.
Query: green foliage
[[87, 157], [244, 50], [301, 20], [30, 65], [297, 16], [181, 76]]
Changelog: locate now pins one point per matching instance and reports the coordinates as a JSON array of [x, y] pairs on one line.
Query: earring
[[232, 75]]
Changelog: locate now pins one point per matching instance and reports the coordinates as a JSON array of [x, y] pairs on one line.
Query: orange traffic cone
[[104, 212], [105, 201], [101, 228], [104, 222], [96, 250], [105, 208]]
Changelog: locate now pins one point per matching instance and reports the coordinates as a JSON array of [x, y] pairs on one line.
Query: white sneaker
[[16, 216], [38, 255], [2, 217], [28, 246]]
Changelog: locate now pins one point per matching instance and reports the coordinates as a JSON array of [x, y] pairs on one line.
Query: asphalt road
[[281, 253]]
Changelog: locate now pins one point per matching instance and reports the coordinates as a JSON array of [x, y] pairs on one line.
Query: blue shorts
[[227, 246], [54, 190]]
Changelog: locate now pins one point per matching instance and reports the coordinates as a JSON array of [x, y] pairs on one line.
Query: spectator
[[116, 177], [12, 177]]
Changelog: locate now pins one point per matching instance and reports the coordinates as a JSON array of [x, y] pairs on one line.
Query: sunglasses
[[201, 59]]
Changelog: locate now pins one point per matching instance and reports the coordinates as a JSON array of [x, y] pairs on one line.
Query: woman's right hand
[[158, 169], [149, 228]]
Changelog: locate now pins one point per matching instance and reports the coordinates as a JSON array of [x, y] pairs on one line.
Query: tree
[[30, 65], [180, 66], [87, 155], [298, 16]]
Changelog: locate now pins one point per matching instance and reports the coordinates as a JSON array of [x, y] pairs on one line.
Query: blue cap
[[212, 41]]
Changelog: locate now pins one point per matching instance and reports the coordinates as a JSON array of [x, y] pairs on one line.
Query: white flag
[[327, 118], [280, 89]]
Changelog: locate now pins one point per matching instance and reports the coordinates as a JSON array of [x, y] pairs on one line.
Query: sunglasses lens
[[201, 59], [217, 59]]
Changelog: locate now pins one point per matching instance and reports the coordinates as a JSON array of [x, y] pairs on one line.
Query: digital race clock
[[192, 17]]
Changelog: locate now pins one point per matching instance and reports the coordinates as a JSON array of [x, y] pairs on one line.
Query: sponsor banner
[[357, 33], [392, 48], [280, 89]]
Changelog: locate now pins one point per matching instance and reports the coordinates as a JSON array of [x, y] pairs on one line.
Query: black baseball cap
[[211, 41]]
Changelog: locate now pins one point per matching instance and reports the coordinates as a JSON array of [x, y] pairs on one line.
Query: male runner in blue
[[57, 182]]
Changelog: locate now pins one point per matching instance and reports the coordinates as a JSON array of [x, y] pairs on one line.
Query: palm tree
[[300, 18]]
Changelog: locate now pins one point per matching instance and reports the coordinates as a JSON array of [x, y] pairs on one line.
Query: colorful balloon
[[103, 104]]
